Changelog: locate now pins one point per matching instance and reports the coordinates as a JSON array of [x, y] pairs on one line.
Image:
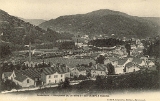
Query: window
[[55, 81], [27, 80], [101, 72], [49, 76], [55, 76], [61, 75], [61, 80], [49, 81]]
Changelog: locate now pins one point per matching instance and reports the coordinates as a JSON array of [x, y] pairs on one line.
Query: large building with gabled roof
[[54, 75]]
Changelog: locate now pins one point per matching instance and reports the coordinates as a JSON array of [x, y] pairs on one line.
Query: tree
[[18, 87], [111, 69], [100, 59], [65, 84], [4, 49], [99, 82], [89, 74], [8, 85], [82, 77], [90, 64], [128, 48], [67, 45]]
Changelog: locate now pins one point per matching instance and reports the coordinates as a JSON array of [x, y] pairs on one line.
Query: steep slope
[[20, 32], [17, 31], [104, 22]]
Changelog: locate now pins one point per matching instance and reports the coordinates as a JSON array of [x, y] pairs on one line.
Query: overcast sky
[[48, 9]]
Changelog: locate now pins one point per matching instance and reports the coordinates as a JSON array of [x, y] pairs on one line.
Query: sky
[[51, 9]]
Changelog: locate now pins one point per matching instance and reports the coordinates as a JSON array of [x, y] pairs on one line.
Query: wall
[[119, 70], [131, 69], [53, 79], [24, 83]]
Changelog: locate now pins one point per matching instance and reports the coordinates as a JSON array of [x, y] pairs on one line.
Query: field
[[69, 62]]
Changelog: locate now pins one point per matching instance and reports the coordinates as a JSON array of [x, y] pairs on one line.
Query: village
[[50, 68]]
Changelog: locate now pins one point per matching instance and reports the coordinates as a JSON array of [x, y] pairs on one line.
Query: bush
[[65, 84], [9, 85]]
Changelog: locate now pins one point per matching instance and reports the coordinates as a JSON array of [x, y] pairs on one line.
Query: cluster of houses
[[31, 77], [57, 73]]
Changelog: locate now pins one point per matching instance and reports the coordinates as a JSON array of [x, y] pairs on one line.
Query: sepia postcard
[[67, 50]]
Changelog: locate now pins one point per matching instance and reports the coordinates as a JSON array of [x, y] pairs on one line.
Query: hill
[[35, 22], [104, 21], [153, 19], [19, 32]]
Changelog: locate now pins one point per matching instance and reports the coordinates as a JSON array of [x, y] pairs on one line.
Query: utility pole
[[30, 55]]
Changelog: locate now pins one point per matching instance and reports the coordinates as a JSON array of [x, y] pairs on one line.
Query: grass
[[89, 87], [69, 62]]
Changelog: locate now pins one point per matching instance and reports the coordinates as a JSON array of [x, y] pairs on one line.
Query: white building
[[131, 67], [77, 71], [99, 70], [53, 75]]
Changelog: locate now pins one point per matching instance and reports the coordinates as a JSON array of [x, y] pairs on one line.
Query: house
[[33, 76], [138, 61], [119, 52], [122, 62], [150, 63], [23, 80], [131, 67], [30, 64], [53, 75], [119, 69], [112, 60], [8, 75], [140, 50], [99, 69], [77, 71], [133, 46]]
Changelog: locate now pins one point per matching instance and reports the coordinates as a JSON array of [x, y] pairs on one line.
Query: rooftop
[[99, 67], [52, 70]]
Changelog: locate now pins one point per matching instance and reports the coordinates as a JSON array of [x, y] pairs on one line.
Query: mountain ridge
[[104, 21]]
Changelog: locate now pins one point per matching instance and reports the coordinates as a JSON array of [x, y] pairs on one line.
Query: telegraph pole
[[30, 55]]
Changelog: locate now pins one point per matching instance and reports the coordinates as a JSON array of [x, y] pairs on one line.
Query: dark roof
[[112, 58], [130, 64], [137, 60], [20, 77], [81, 68], [52, 70], [31, 73], [7, 74], [122, 61], [99, 67]]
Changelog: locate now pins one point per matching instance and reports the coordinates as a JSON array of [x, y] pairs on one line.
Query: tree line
[[106, 42]]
